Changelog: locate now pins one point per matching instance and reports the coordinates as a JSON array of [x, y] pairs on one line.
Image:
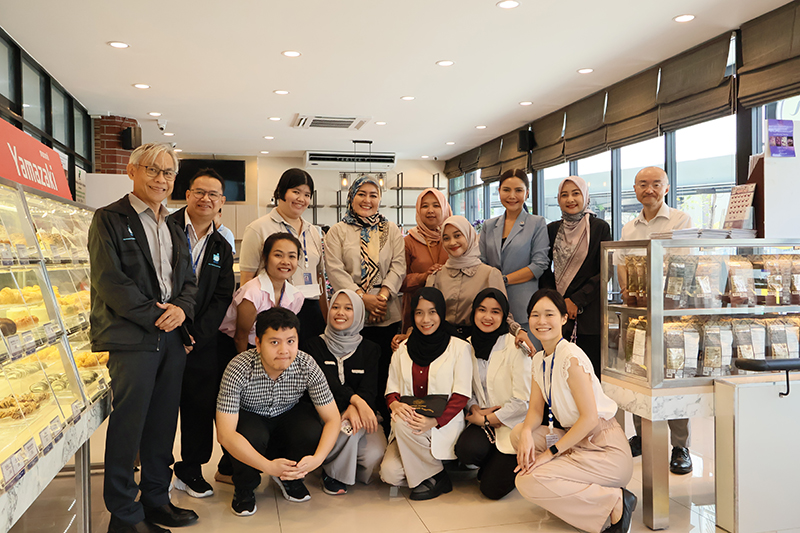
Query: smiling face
[[295, 201], [342, 313], [546, 321], [152, 191], [513, 194], [571, 199], [431, 211], [204, 208], [282, 260], [488, 315], [455, 242], [366, 200], [651, 186], [277, 349], [426, 318]]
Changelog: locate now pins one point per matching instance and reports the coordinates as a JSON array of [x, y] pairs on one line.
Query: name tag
[[357, 371]]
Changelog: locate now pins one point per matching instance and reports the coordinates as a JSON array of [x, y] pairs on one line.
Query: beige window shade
[[633, 130], [769, 84], [491, 172], [586, 145], [549, 129], [510, 143], [693, 72], [632, 97], [520, 162], [490, 153], [548, 156], [585, 116], [771, 38], [452, 169], [708, 105], [469, 160]]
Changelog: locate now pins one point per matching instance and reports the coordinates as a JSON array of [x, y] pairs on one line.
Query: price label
[[7, 467], [29, 341], [5, 255], [55, 429], [31, 451], [22, 253], [14, 346], [77, 407], [50, 332], [101, 384], [19, 463], [46, 436]]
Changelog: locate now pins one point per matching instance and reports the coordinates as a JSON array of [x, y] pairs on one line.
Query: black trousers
[[226, 350], [312, 323], [292, 435], [382, 336], [146, 389], [496, 472]]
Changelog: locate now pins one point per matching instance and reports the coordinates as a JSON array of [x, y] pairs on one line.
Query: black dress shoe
[[170, 516], [145, 526], [636, 445], [681, 462], [432, 487]]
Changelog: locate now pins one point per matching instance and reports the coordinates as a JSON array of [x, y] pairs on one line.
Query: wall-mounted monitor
[[232, 171]]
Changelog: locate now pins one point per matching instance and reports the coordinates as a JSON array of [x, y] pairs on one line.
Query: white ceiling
[[213, 66]]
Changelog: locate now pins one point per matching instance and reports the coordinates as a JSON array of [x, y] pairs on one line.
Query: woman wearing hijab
[[350, 364], [575, 255], [431, 370], [424, 252], [364, 253], [501, 388]]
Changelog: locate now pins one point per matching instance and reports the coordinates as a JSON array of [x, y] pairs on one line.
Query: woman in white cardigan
[[500, 390], [428, 369]]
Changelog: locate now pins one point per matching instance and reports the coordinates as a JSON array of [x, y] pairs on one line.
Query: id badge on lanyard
[[551, 437]]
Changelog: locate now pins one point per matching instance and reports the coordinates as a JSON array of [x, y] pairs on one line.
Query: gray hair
[[146, 154]]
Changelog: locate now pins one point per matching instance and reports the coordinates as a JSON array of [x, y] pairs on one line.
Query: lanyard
[[291, 230], [200, 255], [549, 394]]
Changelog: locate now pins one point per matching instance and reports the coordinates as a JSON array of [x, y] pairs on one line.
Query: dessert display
[[24, 404]]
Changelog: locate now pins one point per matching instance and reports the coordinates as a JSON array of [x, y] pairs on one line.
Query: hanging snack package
[[717, 349], [675, 349], [636, 347], [742, 343], [691, 343], [795, 280], [679, 277], [785, 264], [706, 290], [641, 275], [633, 281], [792, 327], [777, 339], [758, 331], [741, 290]]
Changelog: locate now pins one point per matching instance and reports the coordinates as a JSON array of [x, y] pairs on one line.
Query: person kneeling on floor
[[261, 420]]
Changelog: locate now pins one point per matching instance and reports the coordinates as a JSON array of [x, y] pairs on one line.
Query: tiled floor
[[370, 508]]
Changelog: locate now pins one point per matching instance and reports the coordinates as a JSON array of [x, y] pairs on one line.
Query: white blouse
[[564, 407]]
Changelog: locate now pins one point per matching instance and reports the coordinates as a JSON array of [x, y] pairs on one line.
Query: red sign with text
[[27, 161]]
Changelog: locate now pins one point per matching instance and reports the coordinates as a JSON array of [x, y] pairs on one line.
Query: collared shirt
[[196, 245], [228, 234], [159, 241], [666, 219], [309, 264], [247, 387]]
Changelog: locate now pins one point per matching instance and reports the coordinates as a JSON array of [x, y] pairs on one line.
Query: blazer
[[125, 286], [526, 246], [584, 290], [450, 373], [214, 287], [507, 376]]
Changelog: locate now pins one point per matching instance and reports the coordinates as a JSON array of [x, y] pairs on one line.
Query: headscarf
[[472, 256], [424, 349], [572, 239], [483, 342], [421, 232], [371, 227], [342, 344]]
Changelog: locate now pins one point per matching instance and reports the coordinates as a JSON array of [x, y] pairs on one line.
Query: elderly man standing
[[651, 185], [143, 291]]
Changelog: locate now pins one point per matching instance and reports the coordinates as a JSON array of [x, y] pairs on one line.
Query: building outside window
[[596, 171], [552, 178]]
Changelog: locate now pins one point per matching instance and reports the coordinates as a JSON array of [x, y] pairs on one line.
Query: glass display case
[[678, 312]]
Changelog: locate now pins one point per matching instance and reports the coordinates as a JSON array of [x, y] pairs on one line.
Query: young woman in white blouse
[[578, 474]]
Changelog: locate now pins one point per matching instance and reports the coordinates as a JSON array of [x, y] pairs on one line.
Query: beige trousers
[[408, 458], [356, 456], [581, 485]]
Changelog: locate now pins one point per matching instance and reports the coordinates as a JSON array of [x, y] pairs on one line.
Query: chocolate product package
[[679, 278], [717, 349], [777, 339], [633, 280], [741, 290], [795, 281], [707, 287]]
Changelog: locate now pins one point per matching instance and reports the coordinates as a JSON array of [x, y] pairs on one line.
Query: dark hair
[[276, 318], [551, 294], [208, 173], [514, 173], [294, 177], [275, 237]]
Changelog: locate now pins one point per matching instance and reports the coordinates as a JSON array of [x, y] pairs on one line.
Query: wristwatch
[[554, 450], [505, 280]]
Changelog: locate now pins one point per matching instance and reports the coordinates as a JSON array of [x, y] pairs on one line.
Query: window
[[61, 107], [495, 207], [7, 87], [788, 109], [33, 96], [457, 196], [552, 179], [634, 158], [596, 170], [81, 120], [706, 170]]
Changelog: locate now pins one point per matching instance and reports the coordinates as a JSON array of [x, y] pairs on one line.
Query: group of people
[[423, 354]]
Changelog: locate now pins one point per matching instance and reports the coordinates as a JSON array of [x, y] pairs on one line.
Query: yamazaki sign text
[[25, 160]]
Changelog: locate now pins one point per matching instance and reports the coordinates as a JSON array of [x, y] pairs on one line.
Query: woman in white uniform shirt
[[579, 474], [293, 195]]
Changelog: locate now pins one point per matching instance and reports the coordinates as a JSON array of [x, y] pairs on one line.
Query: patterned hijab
[[421, 232], [572, 240], [472, 256], [374, 234]]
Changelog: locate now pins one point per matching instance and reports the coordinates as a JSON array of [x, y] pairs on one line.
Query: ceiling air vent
[[351, 161], [327, 121]]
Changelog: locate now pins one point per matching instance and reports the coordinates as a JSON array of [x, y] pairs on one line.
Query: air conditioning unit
[[351, 161]]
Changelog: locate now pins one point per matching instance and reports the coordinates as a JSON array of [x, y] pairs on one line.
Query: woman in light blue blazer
[[517, 244]]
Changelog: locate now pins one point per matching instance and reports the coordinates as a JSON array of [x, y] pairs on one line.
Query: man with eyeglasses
[[651, 185], [212, 263], [143, 296]]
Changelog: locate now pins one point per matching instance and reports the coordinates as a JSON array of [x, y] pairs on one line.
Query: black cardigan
[[584, 291]]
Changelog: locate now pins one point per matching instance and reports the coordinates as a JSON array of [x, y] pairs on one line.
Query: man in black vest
[[212, 262], [143, 293]]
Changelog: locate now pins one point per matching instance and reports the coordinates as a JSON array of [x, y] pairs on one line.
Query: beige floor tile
[[541, 526], [681, 519]]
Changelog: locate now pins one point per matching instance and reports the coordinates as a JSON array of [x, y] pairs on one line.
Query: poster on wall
[[781, 138]]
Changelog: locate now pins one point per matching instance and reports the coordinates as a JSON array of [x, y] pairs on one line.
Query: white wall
[[103, 189], [781, 191]]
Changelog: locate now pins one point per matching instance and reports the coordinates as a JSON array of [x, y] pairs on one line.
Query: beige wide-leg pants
[[356, 456], [581, 485], [408, 457]]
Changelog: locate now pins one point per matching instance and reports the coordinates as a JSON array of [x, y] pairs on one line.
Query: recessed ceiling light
[[154, 114], [683, 18], [168, 134], [425, 157], [281, 92], [407, 98], [507, 4], [480, 127], [585, 70], [525, 103], [291, 53], [177, 150], [269, 137], [380, 123], [141, 85], [275, 119], [450, 143], [118, 44], [264, 152], [445, 63]]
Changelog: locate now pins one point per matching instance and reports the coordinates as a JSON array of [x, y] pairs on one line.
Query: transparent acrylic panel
[[14, 430], [16, 235], [69, 388], [55, 230]]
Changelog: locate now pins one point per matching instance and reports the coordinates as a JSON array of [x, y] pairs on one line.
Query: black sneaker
[[293, 490], [196, 487], [331, 486], [681, 462], [244, 503], [636, 445]]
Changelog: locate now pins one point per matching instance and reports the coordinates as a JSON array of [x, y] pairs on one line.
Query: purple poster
[[781, 138]]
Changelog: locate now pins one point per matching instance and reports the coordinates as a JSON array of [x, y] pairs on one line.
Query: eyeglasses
[[153, 172], [200, 193]]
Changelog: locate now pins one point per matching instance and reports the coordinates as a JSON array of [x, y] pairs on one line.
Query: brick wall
[[109, 156]]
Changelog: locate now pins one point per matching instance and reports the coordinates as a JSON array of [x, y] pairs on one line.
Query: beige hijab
[[572, 240], [421, 232]]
